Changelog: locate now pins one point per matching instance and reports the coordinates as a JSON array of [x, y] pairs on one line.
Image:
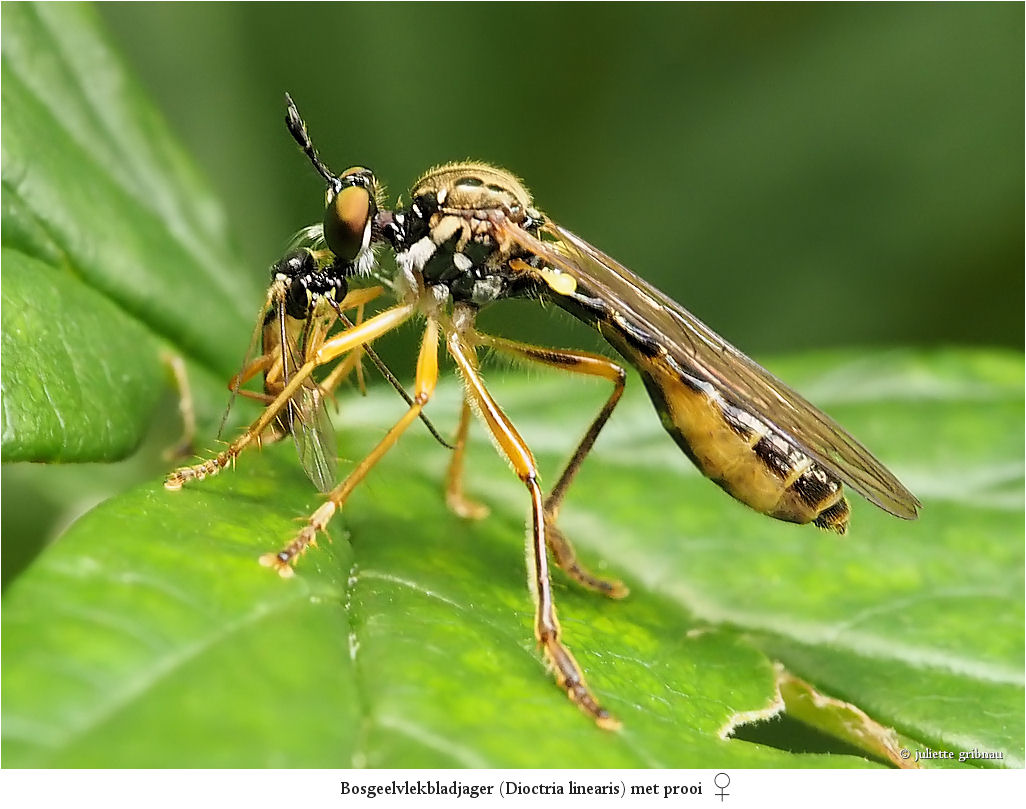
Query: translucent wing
[[314, 437], [305, 416], [245, 373], [603, 284]]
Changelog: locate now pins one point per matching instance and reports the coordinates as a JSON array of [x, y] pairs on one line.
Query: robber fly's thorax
[[452, 232], [468, 188]]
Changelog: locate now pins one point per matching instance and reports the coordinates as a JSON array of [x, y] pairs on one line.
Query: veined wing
[[314, 437], [698, 351], [305, 415], [248, 367]]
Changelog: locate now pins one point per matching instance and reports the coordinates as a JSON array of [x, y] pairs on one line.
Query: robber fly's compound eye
[[347, 219]]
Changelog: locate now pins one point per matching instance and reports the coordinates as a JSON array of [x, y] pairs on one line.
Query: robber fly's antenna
[[297, 127]]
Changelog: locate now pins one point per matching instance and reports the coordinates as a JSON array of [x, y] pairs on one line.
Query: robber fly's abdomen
[[746, 457], [742, 454]]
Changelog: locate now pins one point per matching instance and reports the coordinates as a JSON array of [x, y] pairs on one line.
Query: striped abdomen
[[745, 456], [741, 453]]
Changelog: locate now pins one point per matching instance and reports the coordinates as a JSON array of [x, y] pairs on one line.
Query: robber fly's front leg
[[338, 345], [426, 380]]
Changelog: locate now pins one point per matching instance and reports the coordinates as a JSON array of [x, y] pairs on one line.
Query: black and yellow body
[[468, 237], [735, 449]]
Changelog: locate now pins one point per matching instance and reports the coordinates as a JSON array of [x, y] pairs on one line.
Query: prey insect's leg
[[273, 363], [341, 371], [357, 298], [546, 626], [341, 343], [261, 363], [577, 362], [455, 499], [427, 378], [183, 446]]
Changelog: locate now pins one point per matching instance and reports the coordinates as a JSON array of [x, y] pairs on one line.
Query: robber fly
[[469, 236]]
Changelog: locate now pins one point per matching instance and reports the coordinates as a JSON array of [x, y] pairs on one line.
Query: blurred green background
[[797, 175]]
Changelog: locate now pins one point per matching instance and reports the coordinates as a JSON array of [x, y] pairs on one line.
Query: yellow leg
[[455, 499], [265, 362], [358, 353], [587, 364], [261, 363], [271, 364], [357, 298], [546, 627], [355, 360], [338, 345], [427, 378], [341, 371]]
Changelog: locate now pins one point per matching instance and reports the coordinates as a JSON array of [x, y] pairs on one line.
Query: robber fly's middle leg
[[546, 625], [458, 503], [587, 364]]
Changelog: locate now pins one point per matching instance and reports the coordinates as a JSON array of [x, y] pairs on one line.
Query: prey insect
[[308, 296], [470, 236]]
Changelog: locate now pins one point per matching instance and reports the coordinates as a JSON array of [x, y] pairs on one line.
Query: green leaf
[[149, 635], [70, 388], [113, 250]]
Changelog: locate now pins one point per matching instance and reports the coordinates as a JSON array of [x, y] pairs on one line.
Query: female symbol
[[722, 776]]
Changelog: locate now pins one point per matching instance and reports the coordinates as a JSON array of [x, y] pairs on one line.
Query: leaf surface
[[113, 250], [149, 635]]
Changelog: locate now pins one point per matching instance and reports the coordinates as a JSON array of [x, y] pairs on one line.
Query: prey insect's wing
[[240, 378], [314, 437], [699, 353], [306, 415]]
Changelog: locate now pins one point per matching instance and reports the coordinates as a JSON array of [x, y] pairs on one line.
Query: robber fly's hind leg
[[577, 362], [424, 387], [455, 499], [546, 626]]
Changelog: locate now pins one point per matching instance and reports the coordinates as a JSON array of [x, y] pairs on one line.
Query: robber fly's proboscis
[[468, 237]]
